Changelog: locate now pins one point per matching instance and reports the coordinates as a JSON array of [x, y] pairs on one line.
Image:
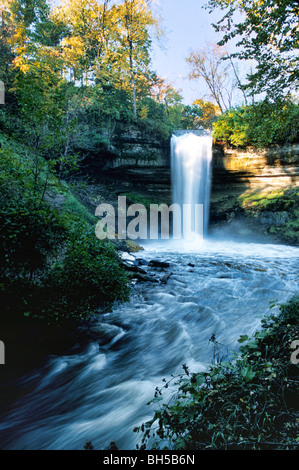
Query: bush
[[53, 266], [259, 125], [88, 279], [31, 231], [232, 127]]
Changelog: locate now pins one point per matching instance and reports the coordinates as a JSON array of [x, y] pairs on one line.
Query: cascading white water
[[191, 157]]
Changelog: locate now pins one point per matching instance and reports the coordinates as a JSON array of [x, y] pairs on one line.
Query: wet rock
[[274, 218], [128, 260], [133, 247], [144, 278], [127, 257], [159, 264], [133, 268], [128, 246], [165, 278], [142, 262]]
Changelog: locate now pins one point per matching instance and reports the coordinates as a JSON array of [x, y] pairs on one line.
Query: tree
[[6, 55], [209, 112], [135, 21], [36, 79], [260, 125], [191, 116], [207, 63], [267, 32], [173, 101], [89, 30], [108, 45]]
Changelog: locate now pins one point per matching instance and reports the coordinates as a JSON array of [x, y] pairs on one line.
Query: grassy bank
[[278, 209]]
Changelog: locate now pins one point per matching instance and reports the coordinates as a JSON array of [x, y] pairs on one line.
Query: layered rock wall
[[253, 192]]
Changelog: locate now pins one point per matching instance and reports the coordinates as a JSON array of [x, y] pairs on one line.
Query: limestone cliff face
[[277, 166], [133, 147], [254, 193], [137, 148]]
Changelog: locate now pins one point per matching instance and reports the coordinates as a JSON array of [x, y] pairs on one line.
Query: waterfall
[[191, 156]]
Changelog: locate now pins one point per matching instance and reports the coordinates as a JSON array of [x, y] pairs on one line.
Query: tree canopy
[[207, 63], [266, 31]]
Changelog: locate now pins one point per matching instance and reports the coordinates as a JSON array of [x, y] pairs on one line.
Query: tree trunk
[[133, 81]]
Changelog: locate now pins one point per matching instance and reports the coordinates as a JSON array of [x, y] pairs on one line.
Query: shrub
[[88, 279], [31, 231], [259, 125], [232, 127], [52, 265]]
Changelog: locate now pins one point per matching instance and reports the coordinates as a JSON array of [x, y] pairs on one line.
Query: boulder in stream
[[159, 264]]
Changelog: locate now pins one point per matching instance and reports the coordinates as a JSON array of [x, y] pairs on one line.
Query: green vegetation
[[88, 279], [247, 401], [265, 31], [134, 198], [280, 206], [53, 267], [259, 125], [73, 206], [78, 75]]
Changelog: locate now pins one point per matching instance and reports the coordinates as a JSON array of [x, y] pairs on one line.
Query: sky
[[187, 26]]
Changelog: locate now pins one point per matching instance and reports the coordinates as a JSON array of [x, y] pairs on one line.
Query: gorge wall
[[133, 147], [254, 192]]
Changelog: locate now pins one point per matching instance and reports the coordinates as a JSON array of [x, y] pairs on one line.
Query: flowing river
[[100, 393], [209, 287]]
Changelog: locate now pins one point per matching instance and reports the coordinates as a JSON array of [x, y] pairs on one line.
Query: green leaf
[[247, 373], [156, 399], [260, 334], [243, 338], [200, 378]]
